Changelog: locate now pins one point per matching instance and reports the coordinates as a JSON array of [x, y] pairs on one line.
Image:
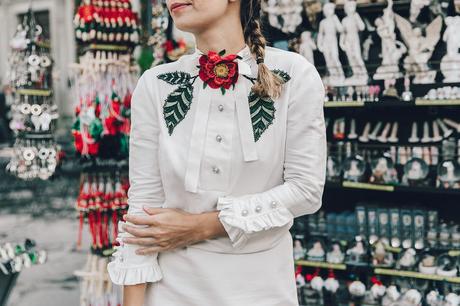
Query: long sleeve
[[146, 187], [304, 166]]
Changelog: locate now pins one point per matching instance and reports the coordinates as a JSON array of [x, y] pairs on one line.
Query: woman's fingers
[[140, 220], [140, 241], [138, 232]]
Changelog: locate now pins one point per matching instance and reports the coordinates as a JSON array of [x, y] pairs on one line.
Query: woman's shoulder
[[183, 64], [293, 63]]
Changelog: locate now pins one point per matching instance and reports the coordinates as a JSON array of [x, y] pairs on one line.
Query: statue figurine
[[450, 63], [392, 50], [415, 8], [285, 15], [327, 43], [352, 24], [420, 48], [307, 45]]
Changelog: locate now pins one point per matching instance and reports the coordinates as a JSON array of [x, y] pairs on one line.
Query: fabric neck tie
[[218, 72]]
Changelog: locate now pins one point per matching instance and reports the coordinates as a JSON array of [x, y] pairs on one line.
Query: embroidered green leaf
[[175, 78], [221, 53], [222, 90], [262, 113], [177, 105], [282, 74]]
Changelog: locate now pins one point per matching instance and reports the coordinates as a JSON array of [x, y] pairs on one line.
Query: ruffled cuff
[[128, 268], [246, 215], [121, 275]]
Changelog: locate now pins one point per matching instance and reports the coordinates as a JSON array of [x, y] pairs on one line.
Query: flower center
[[221, 70]]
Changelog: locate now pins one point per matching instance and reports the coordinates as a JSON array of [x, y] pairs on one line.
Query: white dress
[[259, 166]]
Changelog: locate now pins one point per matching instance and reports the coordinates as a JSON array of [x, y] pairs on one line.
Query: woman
[[226, 149]]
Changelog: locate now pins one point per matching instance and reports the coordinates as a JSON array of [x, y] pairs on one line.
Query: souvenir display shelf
[[395, 107]]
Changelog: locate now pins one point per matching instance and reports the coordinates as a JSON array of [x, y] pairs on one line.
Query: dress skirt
[[195, 277]]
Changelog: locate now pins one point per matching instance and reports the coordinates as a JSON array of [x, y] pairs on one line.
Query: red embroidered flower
[[217, 71]]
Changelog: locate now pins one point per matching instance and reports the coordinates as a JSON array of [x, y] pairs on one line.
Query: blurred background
[[388, 232]]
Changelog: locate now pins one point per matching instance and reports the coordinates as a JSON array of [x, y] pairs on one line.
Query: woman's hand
[[171, 228]]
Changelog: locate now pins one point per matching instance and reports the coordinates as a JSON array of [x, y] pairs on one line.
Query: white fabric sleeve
[[304, 166], [145, 189]]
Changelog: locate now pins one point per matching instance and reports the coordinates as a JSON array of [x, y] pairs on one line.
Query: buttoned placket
[[209, 160], [217, 155]]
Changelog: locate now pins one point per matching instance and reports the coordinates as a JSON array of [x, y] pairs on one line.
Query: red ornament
[[217, 71]]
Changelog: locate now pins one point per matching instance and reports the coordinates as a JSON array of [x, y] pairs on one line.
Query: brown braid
[[267, 84]]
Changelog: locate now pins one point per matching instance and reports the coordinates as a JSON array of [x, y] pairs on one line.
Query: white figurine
[[420, 48], [307, 45], [415, 8], [285, 15], [392, 50], [350, 43], [450, 63], [329, 27]]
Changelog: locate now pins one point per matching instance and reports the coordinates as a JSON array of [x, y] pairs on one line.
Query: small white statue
[[450, 63], [327, 43], [307, 45], [285, 15], [420, 48], [392, 50], [350, 43], [415, 8]]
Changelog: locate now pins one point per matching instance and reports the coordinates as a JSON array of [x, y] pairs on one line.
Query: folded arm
[[304, 166]]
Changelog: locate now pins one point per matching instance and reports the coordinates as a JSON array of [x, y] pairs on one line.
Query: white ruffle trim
[[122, 275], [231, 214]]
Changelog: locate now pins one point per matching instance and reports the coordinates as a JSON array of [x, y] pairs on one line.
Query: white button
[[220, 107], [218, 138], [244, 212], [258, 208], [215, 170], [273, 204]]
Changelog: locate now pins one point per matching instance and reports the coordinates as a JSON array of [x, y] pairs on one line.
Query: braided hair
[[267, 84]]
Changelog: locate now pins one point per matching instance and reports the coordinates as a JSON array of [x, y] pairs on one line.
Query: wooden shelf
[[368, 186], [34, 92], [412, 274], [345, 185], [423, 102], [393, 104], [320, 264], [107, 47], [344, 104]]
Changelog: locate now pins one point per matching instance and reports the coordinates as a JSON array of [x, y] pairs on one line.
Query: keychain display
[[101, 203], [33, 112], [95, 285], [16, 257], [103, 83], [106, 22], [34, 159], [30, 63], [160, 24]]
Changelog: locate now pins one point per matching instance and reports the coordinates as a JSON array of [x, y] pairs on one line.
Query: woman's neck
[[226, 36]]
